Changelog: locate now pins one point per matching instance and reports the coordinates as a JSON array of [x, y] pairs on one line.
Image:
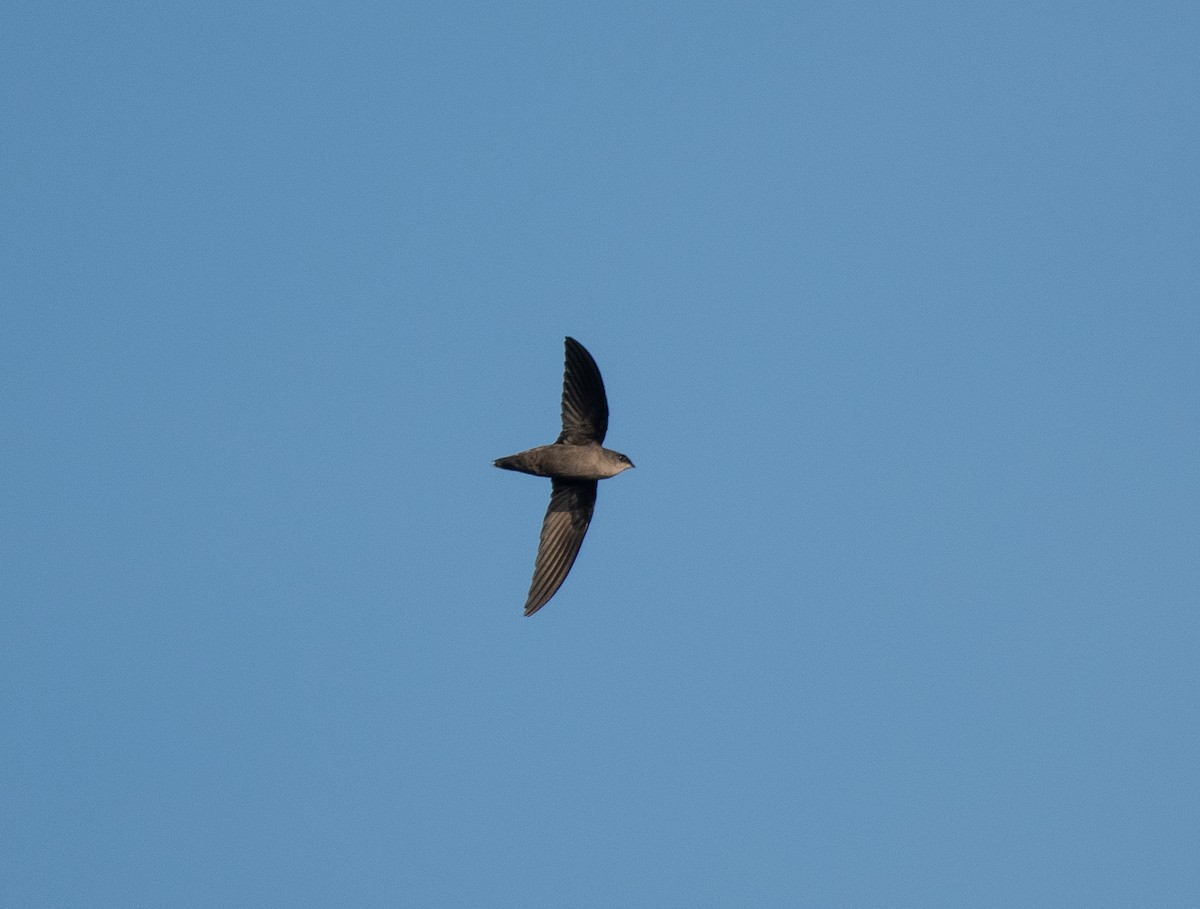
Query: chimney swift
[[574, 463]]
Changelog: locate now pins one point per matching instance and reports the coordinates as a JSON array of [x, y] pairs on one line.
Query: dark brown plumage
[[574, 463]]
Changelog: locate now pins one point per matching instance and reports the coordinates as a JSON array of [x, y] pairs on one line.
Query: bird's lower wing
[[566, 522]]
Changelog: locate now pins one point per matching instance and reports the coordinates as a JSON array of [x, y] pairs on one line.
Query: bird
[[575, 463]]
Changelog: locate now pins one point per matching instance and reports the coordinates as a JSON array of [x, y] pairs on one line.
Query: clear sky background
[[898, 307]]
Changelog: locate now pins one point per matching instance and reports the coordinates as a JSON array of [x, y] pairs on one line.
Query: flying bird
[[574, 463]]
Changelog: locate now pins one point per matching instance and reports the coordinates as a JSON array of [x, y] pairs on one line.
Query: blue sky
[[898, 307]]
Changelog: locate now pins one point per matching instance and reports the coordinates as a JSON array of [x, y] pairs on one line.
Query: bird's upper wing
[[566, 522], [584, 404]]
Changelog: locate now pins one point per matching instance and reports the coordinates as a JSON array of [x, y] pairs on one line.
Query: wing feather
[[563, 529], [584, 403]]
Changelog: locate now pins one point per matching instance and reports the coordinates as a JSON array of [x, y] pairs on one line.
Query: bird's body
[[568, 462], [575, 462]]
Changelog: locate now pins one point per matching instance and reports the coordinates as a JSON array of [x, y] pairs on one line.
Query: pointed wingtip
[[532, 606]]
